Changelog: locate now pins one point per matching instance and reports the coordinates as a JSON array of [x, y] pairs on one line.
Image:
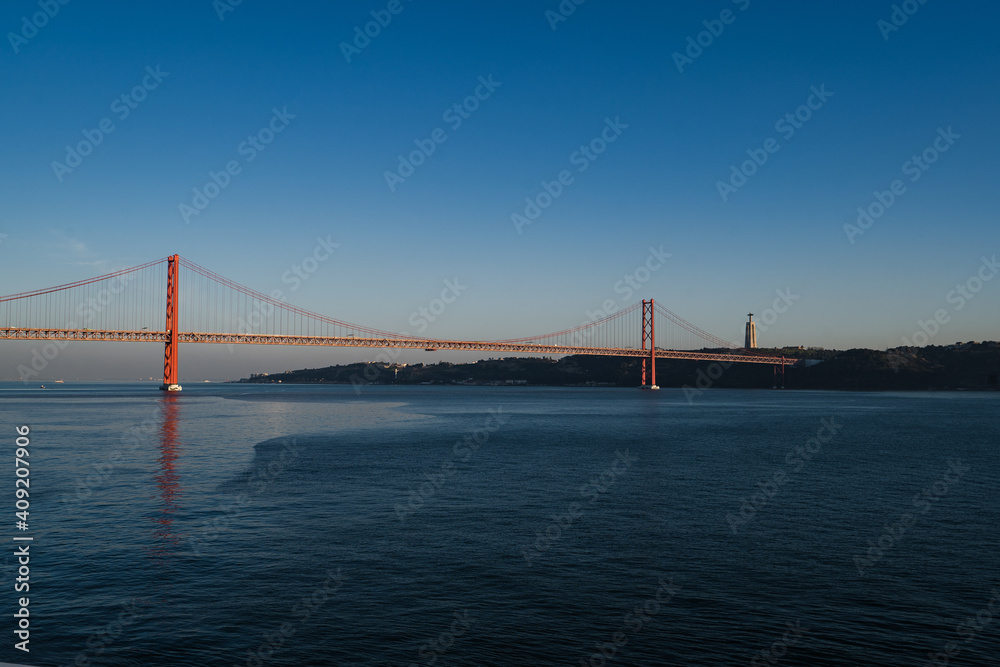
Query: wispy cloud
[[69, 244]]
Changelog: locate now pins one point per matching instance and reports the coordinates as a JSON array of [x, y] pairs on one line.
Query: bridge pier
[[779, 375], [172, 346]]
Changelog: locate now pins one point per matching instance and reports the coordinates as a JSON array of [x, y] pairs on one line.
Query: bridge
[[122, 306]]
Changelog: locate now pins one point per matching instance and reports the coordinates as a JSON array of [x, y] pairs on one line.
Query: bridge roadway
[[145, 336]]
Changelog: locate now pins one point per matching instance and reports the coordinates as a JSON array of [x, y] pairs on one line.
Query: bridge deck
[[145, 336]]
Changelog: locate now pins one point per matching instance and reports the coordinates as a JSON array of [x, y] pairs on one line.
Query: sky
[[832, 163]]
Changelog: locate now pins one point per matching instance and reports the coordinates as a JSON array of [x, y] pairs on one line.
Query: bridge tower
[[649, 335], [173, 344]]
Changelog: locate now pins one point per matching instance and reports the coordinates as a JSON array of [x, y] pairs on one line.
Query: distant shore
[[966, 366]]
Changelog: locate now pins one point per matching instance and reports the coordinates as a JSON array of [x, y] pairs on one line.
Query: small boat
[[41, 386], [59, 382]]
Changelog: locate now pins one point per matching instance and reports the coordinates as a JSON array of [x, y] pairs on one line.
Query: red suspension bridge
[[125, 305]]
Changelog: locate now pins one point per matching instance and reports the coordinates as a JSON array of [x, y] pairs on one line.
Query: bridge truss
[[121, 307]]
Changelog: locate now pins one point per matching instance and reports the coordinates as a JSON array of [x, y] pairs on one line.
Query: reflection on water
[[165, 543]]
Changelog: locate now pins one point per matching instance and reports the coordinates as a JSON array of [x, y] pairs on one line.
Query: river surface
[[315, 525]]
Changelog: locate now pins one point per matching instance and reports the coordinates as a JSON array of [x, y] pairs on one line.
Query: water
[[308, 525]]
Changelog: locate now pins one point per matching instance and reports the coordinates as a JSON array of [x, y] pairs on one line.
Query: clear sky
[[829, 102]]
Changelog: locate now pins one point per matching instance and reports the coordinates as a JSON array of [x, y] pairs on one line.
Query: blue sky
[[887, 94]]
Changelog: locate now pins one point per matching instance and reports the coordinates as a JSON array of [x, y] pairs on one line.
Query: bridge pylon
[[172, 346], [35, 315], [649, 335]]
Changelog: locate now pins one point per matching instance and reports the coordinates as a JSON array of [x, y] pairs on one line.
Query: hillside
[[969, 366]]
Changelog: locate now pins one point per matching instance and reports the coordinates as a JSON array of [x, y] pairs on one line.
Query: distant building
[[751, 335]]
